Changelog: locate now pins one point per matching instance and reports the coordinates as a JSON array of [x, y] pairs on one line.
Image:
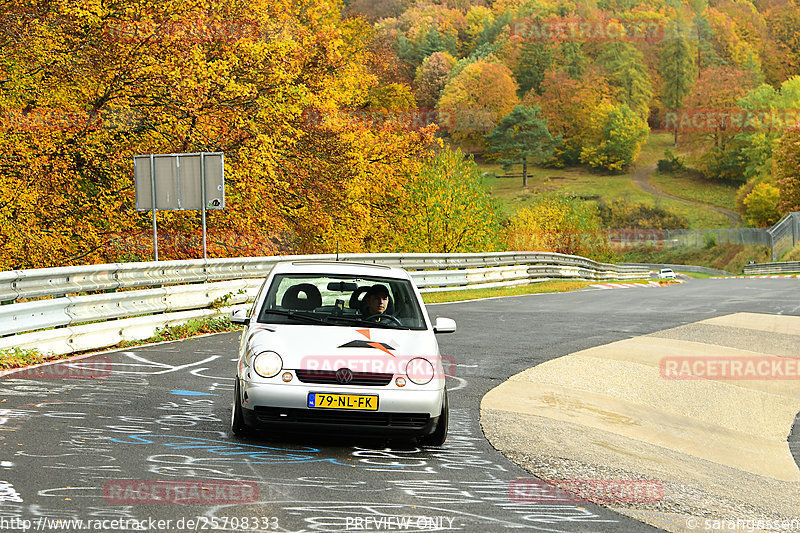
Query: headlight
[[420, 371], [267, 364]]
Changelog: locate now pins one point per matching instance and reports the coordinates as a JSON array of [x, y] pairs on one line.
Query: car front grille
[[359, 379], [331, 416]]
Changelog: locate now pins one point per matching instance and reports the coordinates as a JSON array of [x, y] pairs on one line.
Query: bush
[[624, 214], [560, 224], [671, 163], [761, 205]]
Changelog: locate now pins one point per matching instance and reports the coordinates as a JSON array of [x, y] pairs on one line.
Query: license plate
[[343, 401]]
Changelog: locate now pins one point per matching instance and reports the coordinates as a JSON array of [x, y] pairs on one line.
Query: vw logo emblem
[[344, 376]]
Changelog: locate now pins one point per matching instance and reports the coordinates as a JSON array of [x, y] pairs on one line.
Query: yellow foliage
[[561, 225]]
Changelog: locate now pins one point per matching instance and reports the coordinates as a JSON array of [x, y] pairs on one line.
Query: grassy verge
[[791, 255], [20, 357], [697, 275], [192, 328], [728, 257], [593, 187], [697, 189], [532, 288]]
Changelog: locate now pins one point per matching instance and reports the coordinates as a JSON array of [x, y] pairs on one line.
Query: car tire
[[439, 435], [238, 427]]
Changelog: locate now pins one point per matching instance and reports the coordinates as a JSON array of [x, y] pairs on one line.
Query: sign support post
[[203, 199], [153, 198]]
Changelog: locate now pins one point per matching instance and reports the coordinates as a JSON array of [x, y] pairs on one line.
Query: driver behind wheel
[[377, 298]]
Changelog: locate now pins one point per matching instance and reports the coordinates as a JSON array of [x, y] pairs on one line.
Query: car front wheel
[[439, 435], [238, 427]]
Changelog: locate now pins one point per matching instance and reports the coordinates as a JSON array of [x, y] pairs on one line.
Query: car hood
[[332, 347]]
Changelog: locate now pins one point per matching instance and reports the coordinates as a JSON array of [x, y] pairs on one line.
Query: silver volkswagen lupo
[[341, 346]]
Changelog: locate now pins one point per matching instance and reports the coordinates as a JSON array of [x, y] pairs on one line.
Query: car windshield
[[339, 300]]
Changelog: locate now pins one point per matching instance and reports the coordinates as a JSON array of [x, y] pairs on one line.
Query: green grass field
[[581, 182], [696, 188], [532, 288]]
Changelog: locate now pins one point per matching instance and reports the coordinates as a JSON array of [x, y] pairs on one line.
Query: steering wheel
[[377, 318]]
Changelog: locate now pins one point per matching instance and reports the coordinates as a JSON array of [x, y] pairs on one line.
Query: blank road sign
[[177, 179]]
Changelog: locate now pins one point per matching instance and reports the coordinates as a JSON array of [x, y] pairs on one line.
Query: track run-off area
[[574, 387]]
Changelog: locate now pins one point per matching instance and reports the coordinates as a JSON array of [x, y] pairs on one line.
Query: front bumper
[[409, 412]]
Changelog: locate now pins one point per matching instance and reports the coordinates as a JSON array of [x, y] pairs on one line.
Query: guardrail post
[[771, 247]]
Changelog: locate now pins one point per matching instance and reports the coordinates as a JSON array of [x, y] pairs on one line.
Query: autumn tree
[[782, 50], [710, 125], [614, 137], [424, 29], [765, 114], [431, 78], [447, 209], [375, 10], [87, 87], [567, 103], [787, 171], [391, 97], [521, 137], [475, 100]]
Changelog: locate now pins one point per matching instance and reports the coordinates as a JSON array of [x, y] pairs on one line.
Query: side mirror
[[239, 316], [444, 325]]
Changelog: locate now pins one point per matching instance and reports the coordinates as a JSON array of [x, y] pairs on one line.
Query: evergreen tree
[[678, 72], [571, 59], [535, 60], [627, 73], [522, 136]]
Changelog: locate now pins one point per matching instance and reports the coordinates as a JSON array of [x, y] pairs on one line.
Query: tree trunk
[[525, 172]]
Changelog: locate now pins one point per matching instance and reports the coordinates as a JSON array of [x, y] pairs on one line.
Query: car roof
[[340, 267]]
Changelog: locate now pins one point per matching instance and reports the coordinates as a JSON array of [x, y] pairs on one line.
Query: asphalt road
[[73, 448]]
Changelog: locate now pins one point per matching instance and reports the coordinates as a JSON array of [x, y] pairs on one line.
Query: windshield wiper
[[295, 316]]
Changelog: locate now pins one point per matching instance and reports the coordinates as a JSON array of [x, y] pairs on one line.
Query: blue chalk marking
[[179, 392]]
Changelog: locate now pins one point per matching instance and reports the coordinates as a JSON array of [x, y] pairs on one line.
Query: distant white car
[[667, 273], [316, 355]]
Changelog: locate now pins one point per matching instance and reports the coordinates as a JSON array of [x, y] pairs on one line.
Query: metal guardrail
[[759, 269], [682, 268], [76, 301], [784, 235]]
